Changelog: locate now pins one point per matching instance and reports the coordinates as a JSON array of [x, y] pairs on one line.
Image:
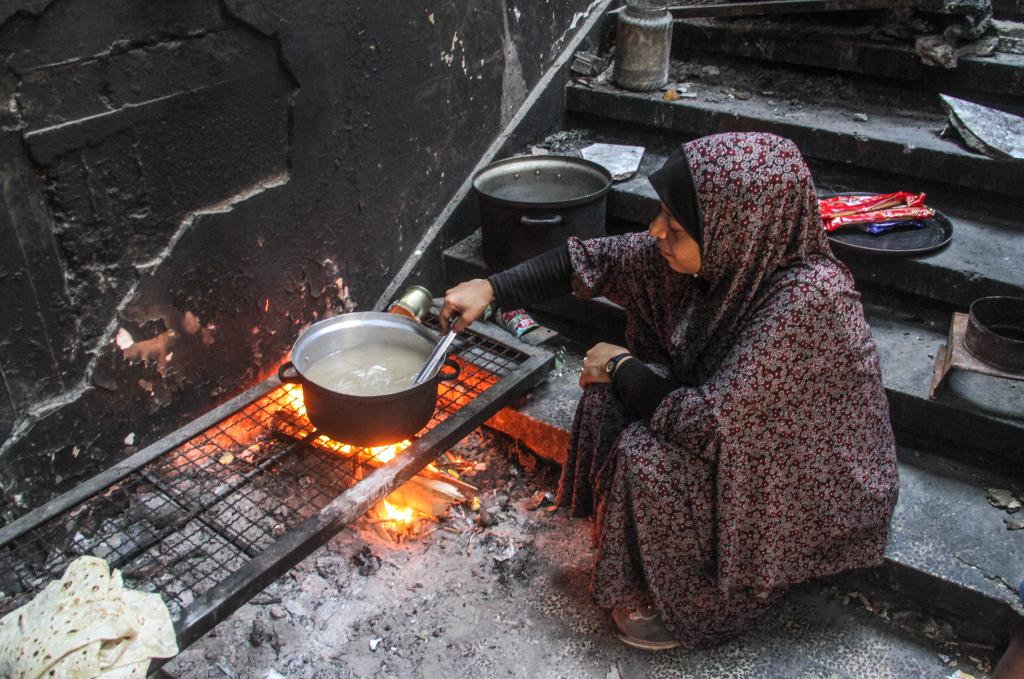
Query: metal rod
[[192, 512], [491, 332], [740, 9], [109, 477], [195, 510], [234, 590], [437, 356]]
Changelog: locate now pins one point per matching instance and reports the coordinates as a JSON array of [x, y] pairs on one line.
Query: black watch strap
[[614, 362]]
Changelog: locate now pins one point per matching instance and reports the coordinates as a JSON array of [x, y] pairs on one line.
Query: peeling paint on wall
[[575, 22], [243, 166], [513, 84]]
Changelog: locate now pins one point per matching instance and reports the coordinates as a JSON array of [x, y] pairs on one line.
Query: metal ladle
[[439, 353]]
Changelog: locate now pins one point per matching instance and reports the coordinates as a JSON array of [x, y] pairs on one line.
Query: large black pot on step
[[533, 203]]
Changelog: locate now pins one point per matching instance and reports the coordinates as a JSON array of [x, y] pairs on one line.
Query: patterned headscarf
[[781, 386], [760, 215]]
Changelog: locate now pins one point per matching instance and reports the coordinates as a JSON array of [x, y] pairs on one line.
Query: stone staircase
[[867, 117]]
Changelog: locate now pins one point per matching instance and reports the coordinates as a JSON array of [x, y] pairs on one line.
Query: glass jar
[[643, 45]]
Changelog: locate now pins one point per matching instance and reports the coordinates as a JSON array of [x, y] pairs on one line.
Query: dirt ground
[[509, 600]]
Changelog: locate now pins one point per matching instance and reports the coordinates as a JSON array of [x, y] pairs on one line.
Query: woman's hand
[[593, 363], [469, 300]]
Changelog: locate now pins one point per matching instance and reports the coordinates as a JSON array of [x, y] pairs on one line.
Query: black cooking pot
[[365, 420], [534, 203], [995, 332]]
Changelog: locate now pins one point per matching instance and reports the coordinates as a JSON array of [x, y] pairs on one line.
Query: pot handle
[[553, 220], [282, 374], [453, 375]]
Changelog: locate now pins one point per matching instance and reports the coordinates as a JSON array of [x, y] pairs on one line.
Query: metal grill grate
[[195, 513]]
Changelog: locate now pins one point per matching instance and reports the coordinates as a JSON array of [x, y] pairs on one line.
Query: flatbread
[[79, 663], [83, 624], [136, 671], [155, 638], [67, 615]]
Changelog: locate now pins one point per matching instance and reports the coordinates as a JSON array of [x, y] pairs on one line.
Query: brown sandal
[[641, 627]]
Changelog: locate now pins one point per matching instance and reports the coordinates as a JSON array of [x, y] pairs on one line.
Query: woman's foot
[[641, 627]]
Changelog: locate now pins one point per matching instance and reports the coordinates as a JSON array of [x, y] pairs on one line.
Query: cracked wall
[[186, 185]]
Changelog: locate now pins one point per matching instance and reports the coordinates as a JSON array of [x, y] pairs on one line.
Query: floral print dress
[[775, 461]]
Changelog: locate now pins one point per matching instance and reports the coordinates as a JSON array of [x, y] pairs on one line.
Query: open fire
[[402, 513], [214, 497]]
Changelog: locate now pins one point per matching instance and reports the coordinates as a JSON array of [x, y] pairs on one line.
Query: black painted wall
[[184, 185]]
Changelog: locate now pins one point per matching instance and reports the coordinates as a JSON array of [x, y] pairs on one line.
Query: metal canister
[[414, 302], [643, 45]]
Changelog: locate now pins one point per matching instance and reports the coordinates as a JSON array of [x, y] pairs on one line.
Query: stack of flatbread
[[86, 625]]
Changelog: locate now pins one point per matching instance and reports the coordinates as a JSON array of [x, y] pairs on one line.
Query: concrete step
[[1012, 10], [841, 48], [974, 418], [986, 256], [822, 114], [949, 551]]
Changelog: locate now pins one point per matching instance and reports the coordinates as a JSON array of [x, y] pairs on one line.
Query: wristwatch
[[614, 362]]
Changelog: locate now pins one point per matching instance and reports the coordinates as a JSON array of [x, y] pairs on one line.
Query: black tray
[[899, 242]]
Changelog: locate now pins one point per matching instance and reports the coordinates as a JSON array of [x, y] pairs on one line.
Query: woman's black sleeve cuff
[[543, 277], [640, 388]]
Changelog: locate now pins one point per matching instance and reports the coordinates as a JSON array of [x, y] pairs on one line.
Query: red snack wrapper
[[517, 321], [842, 206], [899, 214]]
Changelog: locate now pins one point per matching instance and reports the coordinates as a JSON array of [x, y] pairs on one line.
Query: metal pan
[[365, 420], [995, 332]]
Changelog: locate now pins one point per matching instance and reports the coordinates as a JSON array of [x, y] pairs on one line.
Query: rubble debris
[[1001, 498], [1009, 36], [674, 91], [589, 64], [278, 612], [486, 518], [936, 50], [620, 160], [526, 460], [982, 47], [1014, 522], [974, 18], [259, 635], [537, 500], [514, 561], [566, 142], [374, 643], [986, 130], [367, 562]]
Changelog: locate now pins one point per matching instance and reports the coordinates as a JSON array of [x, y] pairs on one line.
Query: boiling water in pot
[[367, 369]]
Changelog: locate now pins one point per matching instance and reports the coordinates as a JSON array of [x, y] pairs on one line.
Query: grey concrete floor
[[511, 600]]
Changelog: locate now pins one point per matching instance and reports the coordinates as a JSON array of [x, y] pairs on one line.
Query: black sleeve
[[545, 276], [640, 388]]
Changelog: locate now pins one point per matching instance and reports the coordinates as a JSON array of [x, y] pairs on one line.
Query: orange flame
[[379, 454], [398, 517], [293, 399]]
